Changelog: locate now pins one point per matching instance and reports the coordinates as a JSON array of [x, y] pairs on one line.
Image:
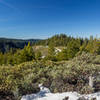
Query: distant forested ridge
[[7, 44]]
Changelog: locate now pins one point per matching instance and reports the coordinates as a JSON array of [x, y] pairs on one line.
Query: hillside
[[72, 66], [59, 77], [56, 40], [6, 44]]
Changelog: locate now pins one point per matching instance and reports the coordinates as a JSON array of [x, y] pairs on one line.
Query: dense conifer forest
[[7, 44]]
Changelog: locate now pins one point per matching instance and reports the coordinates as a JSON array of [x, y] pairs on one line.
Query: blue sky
[[44, 18]]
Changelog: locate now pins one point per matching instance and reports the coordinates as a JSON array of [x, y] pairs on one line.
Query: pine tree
[[62, 55], [73, 48], [93, 46], [27, 54], [51, 53]]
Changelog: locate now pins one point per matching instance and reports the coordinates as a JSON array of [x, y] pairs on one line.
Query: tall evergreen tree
[[73, 48], [51, 52], [27, 54], [62, 55]]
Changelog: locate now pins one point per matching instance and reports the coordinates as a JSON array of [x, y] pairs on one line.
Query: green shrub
[[57, 76]]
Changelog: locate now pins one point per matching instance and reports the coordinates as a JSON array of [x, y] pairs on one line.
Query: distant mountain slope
[[6, 44]]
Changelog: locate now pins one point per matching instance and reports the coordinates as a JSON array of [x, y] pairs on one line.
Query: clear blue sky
[[44, 18]]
